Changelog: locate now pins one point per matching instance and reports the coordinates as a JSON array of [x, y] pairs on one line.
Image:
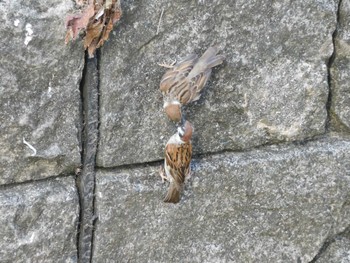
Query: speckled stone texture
[[337, 252], [273, 86], [39, 222], [39, 91], [340, 71], [271, 173], [277, 204]]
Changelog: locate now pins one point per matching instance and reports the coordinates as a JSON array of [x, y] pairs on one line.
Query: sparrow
[[178, 155], [185, 80]]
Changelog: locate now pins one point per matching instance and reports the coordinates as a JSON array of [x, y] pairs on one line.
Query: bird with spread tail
[[178, 155], [184, 81]]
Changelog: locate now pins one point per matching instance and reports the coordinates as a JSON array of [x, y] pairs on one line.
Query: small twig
[[160, 20], [30, 146]]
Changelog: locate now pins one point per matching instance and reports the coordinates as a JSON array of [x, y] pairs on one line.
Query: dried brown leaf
[[96, 20], [104, 34], [92, 32]]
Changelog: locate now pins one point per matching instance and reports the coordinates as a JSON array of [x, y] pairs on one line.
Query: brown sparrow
[[178, 154], [184, 81]]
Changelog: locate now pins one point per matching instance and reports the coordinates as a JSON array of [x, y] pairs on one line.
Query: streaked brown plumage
[[184, 82], [178, 155]]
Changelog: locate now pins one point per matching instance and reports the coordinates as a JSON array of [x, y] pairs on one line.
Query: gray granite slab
[[277, 204]]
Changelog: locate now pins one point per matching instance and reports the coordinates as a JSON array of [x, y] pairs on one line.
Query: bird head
[[185, 131], [173, 110]]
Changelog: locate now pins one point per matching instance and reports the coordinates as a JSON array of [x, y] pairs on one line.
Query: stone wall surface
[[40, 132], [270, 47], [39, 89], [271, 170], [278, 204], [39, 222]]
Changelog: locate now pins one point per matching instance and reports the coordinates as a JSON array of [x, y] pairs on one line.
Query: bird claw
[[162, 174], [165, 65]]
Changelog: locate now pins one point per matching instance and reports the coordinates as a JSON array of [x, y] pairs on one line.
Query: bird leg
[[165, 65], [162, 174]]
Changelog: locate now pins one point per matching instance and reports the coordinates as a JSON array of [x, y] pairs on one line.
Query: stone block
[[39, 221], [39, 87], [272, 87], [277, 204]]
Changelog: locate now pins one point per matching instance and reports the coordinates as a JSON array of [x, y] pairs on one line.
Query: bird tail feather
[[206, 62], [210, 59], [215, 61], [173, 195]]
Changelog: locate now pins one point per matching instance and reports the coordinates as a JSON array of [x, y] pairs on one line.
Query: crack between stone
[[146, 43], [157, 162], [82, 142], [95, 217], [329, 74], [47, 179], [85, 182], [329, 240], [323, 248]]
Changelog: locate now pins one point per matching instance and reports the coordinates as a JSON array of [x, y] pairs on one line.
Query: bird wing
[[177, 74], [201, 71], [186, 80], [178, 159]]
